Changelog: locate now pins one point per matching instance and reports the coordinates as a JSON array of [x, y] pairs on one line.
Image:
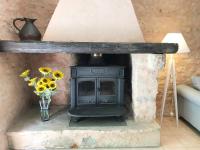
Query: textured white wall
[[94, 21]]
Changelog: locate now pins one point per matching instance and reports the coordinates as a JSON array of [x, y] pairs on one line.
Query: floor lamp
[[171, 72]]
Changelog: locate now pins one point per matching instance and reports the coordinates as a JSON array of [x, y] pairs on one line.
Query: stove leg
[[75, 119], [120, 118]]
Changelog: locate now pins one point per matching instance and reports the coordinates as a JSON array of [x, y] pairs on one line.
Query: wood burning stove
[[97, 91]]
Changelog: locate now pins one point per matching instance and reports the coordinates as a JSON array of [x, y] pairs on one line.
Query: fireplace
[[97, 91], [80, 27]]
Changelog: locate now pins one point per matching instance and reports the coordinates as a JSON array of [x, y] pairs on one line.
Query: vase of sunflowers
[[44, 87]]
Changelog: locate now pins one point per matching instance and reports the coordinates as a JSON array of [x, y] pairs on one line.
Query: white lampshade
[[177, 38]]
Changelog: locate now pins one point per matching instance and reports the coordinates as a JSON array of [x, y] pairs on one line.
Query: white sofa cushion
[[189, 93], [196, 82]]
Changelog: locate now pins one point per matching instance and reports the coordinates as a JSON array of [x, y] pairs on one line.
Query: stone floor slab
[[28, 132]]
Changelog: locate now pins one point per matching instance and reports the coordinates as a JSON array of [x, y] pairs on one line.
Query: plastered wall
[[15, 97]]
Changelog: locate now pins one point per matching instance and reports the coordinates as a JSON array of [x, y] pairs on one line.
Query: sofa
[[189, 104]]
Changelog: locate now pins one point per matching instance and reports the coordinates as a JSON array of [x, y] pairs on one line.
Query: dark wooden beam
[[86, 47]]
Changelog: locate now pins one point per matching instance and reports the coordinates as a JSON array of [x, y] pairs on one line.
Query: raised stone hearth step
[[30, 133]]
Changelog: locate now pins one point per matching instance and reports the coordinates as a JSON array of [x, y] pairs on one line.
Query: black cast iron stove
[[97, 91]]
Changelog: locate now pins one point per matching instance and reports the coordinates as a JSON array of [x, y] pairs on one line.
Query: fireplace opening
[[100, 86], [109, 60]]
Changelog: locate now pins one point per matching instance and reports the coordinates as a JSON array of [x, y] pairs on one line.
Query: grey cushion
[[189, 93], [196, 82]]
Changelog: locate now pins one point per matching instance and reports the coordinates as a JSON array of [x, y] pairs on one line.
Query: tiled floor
[[184, 137]]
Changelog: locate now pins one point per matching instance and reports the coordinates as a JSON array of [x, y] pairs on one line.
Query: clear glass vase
[[44, 108], [44, 113]]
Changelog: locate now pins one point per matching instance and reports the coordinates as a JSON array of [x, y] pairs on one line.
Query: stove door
[[107, 91], [86, 91]]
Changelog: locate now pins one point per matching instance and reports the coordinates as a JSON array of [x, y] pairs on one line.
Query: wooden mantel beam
[[86, 47]]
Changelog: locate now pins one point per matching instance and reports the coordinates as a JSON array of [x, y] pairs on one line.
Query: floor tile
[[193, 148], [185, 137], [174, 148], [170, 141]]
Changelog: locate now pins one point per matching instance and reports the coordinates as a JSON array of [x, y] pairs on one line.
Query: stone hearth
[[30, 133]]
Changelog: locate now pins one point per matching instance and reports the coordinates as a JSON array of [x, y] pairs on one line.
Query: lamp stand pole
[[171, 72]]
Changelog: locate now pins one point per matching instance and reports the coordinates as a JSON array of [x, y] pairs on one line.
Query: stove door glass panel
[[107, 88], [86, 88], [107, 91], [86, 91]]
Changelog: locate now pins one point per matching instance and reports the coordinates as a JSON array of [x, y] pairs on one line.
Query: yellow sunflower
[[25, 73], [57, 75], [46, 85], [52, 85], [40, 88], [52, 79], [45, 70], [44, 80], [39, 83], [32, 81]]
